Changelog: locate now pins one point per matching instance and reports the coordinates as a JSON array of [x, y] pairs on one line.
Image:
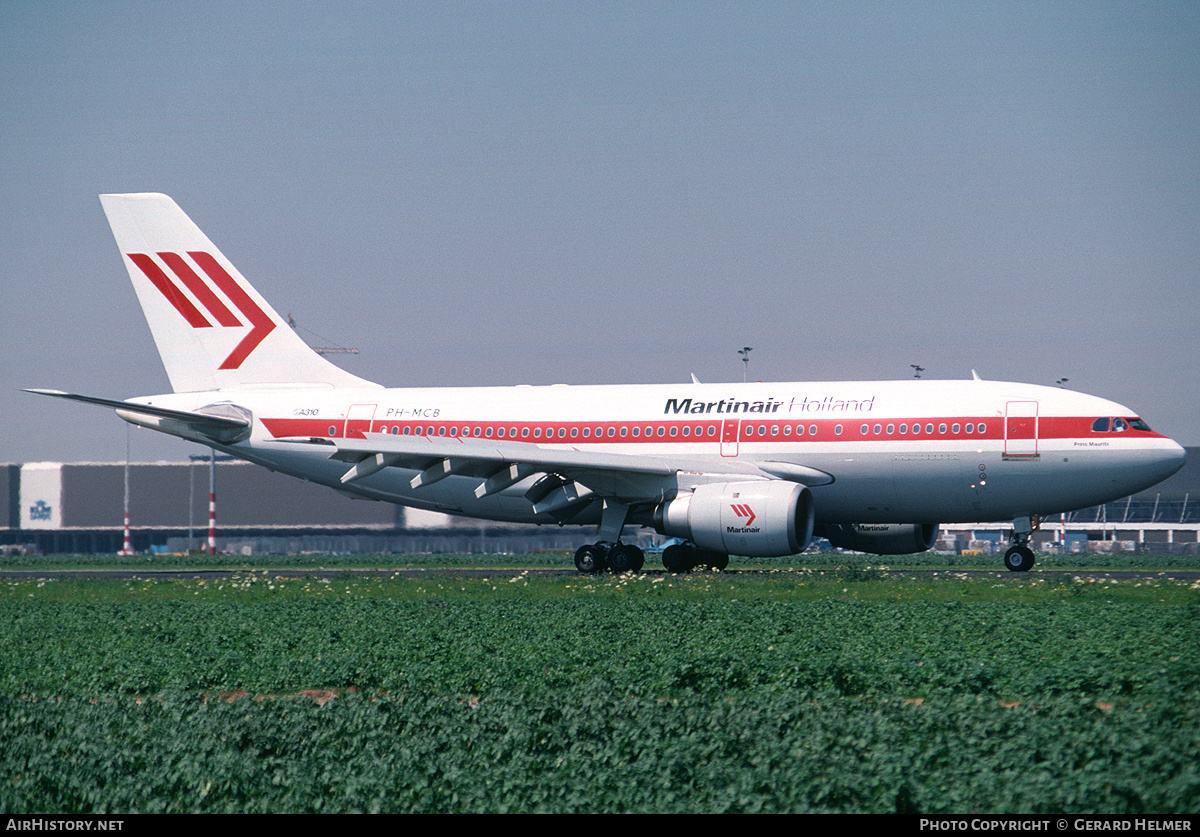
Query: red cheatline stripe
[[201, 291], [167, 288], [258, 318], [1050, 427]]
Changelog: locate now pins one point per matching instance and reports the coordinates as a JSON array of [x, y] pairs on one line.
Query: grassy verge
[[816, 689]]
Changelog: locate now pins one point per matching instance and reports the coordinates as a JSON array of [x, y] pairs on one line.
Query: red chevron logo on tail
[[202, 292]]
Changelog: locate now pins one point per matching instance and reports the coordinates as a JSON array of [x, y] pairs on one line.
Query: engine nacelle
[[762, 518], [882, 538]]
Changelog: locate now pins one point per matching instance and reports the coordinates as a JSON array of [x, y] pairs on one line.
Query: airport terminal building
[[56, 507]]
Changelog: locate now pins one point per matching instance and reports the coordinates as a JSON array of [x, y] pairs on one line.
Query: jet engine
[[882, 538], [762, 518]]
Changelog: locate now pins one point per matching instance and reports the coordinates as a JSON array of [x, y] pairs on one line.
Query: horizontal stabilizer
[[219, 428]]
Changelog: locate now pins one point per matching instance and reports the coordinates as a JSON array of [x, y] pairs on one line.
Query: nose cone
[[1174, 458], [1160, 460]]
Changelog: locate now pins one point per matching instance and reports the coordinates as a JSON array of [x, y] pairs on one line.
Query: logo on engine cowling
[[743, 510]]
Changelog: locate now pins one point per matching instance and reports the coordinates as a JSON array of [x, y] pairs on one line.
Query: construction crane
[[321, 350]]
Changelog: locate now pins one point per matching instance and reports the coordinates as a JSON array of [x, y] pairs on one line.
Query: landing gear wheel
[[716, 561], [678, 558], [626, 558], [1019, 559], [590, 559]]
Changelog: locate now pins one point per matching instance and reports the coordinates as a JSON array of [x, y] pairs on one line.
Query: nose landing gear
[[1019, 557]]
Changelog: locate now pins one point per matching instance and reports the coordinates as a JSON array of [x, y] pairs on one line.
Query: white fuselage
[[894, 451]]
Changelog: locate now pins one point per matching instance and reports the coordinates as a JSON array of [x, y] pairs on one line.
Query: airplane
[[748, 469]]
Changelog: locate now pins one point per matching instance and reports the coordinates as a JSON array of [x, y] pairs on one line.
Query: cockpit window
[[1100, 425], [1119, 425], [1138, 424]]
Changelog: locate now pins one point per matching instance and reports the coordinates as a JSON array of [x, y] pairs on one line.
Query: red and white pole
[[212, 504], [212, 523], [127, 549]]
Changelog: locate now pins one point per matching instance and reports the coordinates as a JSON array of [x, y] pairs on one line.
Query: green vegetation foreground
[[842, 690]]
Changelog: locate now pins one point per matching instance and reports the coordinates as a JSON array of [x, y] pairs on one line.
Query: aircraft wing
[[570, 476]]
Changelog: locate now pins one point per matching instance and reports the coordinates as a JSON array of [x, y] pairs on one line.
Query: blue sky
[[498, 193]]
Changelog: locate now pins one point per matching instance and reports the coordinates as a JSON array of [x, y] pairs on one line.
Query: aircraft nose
[[1176, 457], [1168, 458]]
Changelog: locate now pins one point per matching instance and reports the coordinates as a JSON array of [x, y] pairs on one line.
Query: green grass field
[[836, 686]]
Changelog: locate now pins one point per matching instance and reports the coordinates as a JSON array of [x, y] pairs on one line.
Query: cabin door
[[730, 429], [358, 420], [1021, 429]]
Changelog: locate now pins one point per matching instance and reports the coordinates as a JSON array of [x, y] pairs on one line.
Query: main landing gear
[[609, 552], [626, 558], [619, 557], [1019, 557], [685, 557]]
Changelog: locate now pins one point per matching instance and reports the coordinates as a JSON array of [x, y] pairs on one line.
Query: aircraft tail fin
[[212, 328]]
